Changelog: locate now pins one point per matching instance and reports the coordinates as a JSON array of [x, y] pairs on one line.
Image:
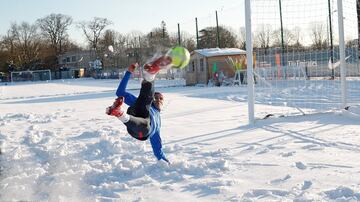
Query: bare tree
[[289, 38], [318, 36], [26, 42], [242, 38], [227, 37], [132, 39], [117, 56], [120, 50], [54, 28], [108, 38], [208, 37], [159, 37], [262, 36], [297, 38], [8, 46], [135, 46], [120, 42], [93, 29], [186, 40]]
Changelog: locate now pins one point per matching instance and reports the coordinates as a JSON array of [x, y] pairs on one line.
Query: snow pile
[[58, 145]]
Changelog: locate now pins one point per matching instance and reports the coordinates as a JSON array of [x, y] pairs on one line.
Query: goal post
[[302, 62], [342, 53], [31, 75], [249, 54]]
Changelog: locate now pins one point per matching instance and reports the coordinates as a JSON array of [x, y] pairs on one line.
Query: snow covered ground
[[57, 144]]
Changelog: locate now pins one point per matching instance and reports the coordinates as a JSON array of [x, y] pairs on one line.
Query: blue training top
[[155, 121]]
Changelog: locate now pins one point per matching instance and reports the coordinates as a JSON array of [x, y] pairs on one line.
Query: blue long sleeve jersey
[[155, 121]]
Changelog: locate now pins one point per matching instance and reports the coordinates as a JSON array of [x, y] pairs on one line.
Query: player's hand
[[166, 160], [132, 67]]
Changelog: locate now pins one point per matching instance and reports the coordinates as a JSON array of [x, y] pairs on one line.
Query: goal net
[[296, 56], [31, 75]]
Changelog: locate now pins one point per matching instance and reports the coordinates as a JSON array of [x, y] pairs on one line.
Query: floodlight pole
[[249, 59], [179, 36], [342, 54], [197, 34], [331, 42], [358, 21], [282, 40], [217, 30]]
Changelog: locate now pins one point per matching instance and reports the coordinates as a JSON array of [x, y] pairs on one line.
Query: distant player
[[142, 118]]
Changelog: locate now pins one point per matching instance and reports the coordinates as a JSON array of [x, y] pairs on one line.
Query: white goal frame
[[249, 53]]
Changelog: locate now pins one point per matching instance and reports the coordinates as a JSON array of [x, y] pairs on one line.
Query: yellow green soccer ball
[[180, 57]]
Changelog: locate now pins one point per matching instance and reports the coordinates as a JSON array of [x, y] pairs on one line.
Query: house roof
[[209, 52]]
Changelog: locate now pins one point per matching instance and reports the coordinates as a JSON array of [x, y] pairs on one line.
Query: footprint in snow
[[280, 180], [263, 151], [307, 184], [300, 165], [287, 154]]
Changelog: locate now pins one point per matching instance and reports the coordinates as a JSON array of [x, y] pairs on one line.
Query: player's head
[[158, 100]]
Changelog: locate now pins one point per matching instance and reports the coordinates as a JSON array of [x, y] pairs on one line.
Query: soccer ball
[[180, 57]]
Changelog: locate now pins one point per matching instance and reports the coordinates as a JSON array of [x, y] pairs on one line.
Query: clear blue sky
[[143, 15], [126, 15]]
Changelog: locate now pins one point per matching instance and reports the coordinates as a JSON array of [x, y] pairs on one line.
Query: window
[[73, 58], [67, 59], [191, 67], [202, 64]]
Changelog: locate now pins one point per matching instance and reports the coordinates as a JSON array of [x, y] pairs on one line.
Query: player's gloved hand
[[132, 67], [165, 159]]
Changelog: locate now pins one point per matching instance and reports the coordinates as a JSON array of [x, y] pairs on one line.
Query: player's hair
[[158, 93]]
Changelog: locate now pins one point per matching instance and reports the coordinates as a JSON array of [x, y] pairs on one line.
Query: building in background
[[74, 64], [205, 64]]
